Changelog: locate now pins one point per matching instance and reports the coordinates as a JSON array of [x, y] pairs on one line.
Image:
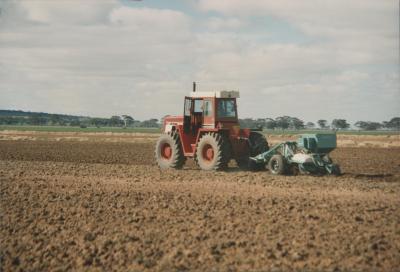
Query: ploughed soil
[[71, 205]]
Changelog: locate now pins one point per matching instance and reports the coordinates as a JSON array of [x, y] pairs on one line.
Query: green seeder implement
[[309, 155]]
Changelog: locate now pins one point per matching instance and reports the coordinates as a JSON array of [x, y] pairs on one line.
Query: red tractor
[[209, 132]]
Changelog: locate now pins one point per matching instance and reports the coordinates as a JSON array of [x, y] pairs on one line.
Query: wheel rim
[[275, 165], [208, 153], [166, 151]]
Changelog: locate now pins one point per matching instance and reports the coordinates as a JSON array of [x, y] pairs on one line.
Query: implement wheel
[[336, 170], [169, 152], [212, 152], [277, 165]]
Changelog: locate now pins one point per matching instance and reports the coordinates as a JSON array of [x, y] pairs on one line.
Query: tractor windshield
[[226, 108]]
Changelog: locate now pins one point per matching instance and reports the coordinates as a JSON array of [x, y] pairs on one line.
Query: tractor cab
[[210, 110]]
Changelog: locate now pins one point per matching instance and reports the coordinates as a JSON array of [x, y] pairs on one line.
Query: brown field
[[85, 202]]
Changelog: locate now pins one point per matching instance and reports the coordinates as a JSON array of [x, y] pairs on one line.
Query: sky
[[312, 59]]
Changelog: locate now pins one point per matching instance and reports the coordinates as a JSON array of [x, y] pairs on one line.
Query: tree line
[[8, 117], [294, 123]]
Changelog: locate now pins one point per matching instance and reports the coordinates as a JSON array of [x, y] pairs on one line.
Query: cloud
[[366, 27], [100, 65], [102, 58], [67, 12], [147, 17], [216, 23], [351, 46], [340, 13]]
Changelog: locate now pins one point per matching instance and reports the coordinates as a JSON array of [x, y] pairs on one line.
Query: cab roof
[[216, 94]]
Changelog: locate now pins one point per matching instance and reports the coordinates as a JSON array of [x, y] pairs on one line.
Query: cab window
[[226, 108], [188, 105], [198, 106]]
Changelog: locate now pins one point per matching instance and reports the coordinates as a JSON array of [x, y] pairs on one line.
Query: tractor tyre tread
[[177, 159], [227, 149], [219, 144], [257, 144], [281, 168]]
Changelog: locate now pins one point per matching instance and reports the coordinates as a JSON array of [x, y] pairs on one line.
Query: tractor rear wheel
[[169, 152], [277, 165], [212, 152], [227, 149], [257, 144]]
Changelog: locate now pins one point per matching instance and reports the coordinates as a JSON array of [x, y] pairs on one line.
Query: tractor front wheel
[[169, 152], [212, 152], [277, 165]]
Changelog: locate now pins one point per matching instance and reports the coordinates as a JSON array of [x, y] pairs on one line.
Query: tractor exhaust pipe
[[194, 86]]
